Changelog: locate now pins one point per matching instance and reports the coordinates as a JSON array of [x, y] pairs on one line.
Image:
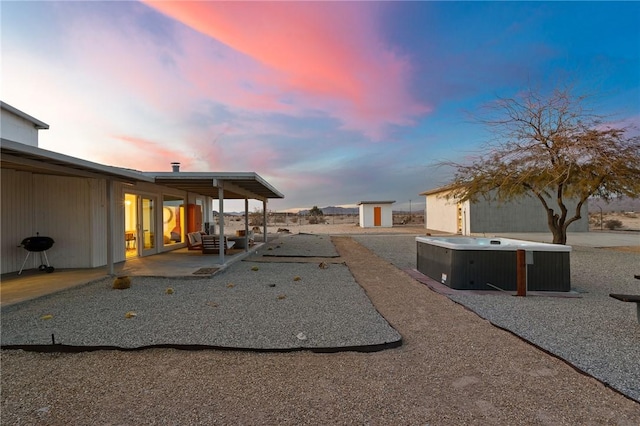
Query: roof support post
[[221, 223], [264, 219], [110, 218], [246, 224]]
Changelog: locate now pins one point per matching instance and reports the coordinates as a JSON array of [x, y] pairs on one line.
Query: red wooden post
[[521, 273]]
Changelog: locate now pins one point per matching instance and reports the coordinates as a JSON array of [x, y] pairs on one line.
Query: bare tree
[[554, 149]]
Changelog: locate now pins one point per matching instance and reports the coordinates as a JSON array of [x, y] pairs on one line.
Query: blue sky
[[332, 103]]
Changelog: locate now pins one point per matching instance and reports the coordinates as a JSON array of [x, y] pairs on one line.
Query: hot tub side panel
[[550, 271], [473, 269], [434, 262]]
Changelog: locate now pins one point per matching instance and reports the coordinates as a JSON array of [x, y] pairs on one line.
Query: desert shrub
[[293, 219], [612, 224], [314, 220], [280, 218], [255, 218]]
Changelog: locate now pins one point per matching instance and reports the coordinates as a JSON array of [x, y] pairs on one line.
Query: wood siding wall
[[17, 218], [62, 212], [98, 207], [70, 210]]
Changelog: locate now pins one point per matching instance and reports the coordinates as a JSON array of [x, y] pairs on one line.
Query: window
[[173, 216]]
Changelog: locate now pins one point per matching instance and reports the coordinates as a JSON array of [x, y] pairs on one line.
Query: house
[[376, 213], [99, 215], [490, 216]]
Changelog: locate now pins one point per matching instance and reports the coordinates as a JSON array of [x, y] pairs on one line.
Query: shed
[[491, 216], [376, 213]]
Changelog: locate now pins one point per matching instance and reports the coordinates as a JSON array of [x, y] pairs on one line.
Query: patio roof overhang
[[21, 157], [241, 185], [235, 185]]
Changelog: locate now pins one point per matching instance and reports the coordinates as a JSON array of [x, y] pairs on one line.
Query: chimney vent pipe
[[175, 167]]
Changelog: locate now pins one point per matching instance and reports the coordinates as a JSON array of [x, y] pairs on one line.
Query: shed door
[[377, 216]]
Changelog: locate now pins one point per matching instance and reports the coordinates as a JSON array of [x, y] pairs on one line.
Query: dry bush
[[314, 220], [612, 224]]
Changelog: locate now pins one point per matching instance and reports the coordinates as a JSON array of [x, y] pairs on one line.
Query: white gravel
[[263, 309]]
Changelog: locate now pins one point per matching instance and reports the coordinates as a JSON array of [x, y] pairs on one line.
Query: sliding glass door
[[148, 224], [139, 225]]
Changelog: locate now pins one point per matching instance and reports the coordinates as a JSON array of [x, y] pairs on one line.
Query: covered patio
[[181, 263], [103, 234]]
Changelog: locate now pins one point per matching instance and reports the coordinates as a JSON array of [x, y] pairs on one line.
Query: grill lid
[[37, 243]]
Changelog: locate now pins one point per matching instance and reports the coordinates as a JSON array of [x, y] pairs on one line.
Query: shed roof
[[440, 189], [376, 202]]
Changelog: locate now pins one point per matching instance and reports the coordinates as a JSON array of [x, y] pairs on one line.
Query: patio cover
[[18, 156], [235, 185], [239, 185]]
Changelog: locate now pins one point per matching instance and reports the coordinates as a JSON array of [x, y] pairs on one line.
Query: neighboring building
[[376, 213], [490, 216], [97, 214], [18, 126]]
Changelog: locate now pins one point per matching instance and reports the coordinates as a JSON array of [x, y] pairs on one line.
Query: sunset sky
[[331, 102]]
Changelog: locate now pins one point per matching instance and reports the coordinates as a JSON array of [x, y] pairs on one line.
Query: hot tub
[[467, 263]]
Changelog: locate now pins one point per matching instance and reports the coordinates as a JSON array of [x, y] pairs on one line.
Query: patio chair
[[194, 240], [211, 244]]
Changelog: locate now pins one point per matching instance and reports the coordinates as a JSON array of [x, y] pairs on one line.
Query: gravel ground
[[267, 308], [302, 245], [596, 333], [453, 368]]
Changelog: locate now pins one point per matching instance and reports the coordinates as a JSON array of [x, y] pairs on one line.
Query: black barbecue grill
[[40, 245]]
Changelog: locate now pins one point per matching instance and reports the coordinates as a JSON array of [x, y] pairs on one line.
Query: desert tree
[[551, 147], [315, 211], [316, 215]]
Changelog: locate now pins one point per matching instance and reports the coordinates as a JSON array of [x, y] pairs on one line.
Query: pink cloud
[[145, 155], [326, 56]]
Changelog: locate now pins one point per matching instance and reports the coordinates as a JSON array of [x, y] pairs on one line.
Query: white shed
[[490, 216], [376, 213]]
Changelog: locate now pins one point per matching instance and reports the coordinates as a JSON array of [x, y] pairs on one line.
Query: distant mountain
[[622, 204], [334, 210], [215, 213]]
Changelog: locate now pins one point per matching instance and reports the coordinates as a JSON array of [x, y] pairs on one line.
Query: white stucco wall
[[441, 213], [367, 214], [17, 129]]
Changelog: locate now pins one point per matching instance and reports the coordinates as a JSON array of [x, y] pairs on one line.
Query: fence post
[[521, 273]]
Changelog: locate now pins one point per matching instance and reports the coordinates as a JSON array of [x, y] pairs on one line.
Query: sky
[[331, 102]]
